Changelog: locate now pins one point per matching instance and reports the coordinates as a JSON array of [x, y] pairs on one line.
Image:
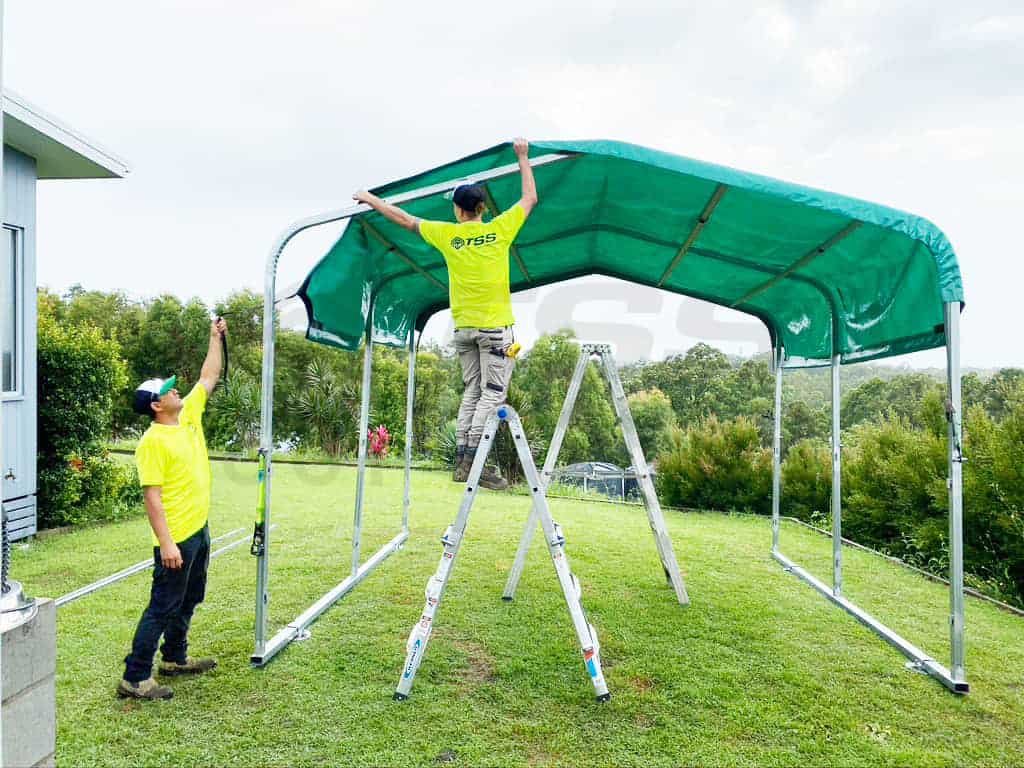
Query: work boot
[[190, 667], [148, 689], [459, 474], [490, 477], [462, 470]]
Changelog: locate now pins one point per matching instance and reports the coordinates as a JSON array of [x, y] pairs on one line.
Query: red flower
[[380, 441]]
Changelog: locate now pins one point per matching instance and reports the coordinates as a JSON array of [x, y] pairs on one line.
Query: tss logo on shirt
[[458, 242]]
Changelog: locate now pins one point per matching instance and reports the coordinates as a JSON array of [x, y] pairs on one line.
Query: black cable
[[224, 351]]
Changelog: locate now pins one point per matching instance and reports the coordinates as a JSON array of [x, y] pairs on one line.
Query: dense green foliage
[[717, 465], [81, 373]]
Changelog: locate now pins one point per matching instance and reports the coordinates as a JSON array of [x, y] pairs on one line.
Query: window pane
[[8, 298]]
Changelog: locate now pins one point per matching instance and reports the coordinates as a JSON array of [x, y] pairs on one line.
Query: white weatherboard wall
[[19, 417]]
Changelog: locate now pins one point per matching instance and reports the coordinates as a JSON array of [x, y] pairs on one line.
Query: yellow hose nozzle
[[513, 350]]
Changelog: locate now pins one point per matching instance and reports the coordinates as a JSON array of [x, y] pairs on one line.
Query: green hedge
[[81, 375], [717, 465]]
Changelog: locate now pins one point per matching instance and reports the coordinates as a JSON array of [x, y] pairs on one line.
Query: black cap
[[468, 197]]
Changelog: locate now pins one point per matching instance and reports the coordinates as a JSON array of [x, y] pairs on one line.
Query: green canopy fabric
[[825, 273]]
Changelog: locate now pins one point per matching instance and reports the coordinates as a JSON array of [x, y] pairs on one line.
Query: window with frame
[[10, 301]]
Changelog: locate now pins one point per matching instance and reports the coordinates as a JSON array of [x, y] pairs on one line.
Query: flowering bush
[[380, 441]]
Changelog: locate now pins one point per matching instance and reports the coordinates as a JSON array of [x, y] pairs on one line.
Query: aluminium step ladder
[[636, 454], [416, 647]]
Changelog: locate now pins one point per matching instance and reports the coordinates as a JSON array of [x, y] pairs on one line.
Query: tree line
[[703, 417]]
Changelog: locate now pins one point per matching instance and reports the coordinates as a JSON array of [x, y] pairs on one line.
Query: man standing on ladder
[[477, 255], [174, 471]]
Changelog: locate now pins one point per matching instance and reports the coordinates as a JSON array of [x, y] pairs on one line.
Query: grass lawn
[[759, 670]]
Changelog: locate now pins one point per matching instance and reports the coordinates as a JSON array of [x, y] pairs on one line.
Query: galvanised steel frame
[[266, 649], [952, 677]]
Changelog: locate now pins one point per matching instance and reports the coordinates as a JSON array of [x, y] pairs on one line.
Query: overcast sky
[[239, 117]]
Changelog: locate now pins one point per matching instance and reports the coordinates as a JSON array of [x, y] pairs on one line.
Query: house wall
[[19, 411]]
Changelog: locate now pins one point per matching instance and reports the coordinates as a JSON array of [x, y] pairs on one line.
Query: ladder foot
[[399, 696], [603, 697], [507, 598]]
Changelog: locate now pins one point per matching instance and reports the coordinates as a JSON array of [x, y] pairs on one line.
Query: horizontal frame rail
[[302, 622], [920, 659], [143, 565]]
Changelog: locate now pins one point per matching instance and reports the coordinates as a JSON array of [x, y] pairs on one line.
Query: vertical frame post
[[956, 509], [3, 214], [410, 398], [777, 452], [837, 502], [364, 426], [266, 449]]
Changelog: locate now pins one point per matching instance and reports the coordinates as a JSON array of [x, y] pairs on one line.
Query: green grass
[[759, 670]]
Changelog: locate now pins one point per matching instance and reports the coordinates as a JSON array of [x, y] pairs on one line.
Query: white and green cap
[[150, 391]]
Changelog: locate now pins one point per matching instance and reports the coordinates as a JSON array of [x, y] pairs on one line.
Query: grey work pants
[[486, 372]]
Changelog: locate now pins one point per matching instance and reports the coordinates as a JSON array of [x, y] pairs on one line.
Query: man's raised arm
[[529, 198], [390, 212], [209, 374]]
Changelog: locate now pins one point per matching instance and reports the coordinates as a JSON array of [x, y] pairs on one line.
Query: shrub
[[807, 480], [717, 465], [994, 500], [894, 490], [86, 489], [80, 375]]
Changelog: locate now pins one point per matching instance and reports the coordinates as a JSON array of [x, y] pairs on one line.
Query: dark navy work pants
[[172, 600]]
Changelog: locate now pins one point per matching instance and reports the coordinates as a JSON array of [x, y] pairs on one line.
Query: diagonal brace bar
[[376, 233], [799, 263], [702, 220]]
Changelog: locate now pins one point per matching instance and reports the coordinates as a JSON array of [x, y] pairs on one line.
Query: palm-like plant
[[330, 407], [239, 403]]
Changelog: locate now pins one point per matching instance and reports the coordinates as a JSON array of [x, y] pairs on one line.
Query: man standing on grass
[[478, 292], [174, 471]]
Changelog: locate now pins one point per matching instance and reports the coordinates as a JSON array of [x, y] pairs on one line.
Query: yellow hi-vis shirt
[[174, 457], [477, 257]]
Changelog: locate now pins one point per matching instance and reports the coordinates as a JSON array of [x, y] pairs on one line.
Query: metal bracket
[[917, 666]]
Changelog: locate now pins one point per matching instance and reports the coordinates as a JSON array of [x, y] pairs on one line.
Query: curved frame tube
[[265, 650]]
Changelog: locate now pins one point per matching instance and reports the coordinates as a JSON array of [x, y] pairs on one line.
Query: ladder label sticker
[[425, 620], [588, 657], [412, 658]]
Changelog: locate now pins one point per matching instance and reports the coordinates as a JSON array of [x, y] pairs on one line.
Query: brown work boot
[[461, 471], [491, 478], [148, 689], [190, 667]]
